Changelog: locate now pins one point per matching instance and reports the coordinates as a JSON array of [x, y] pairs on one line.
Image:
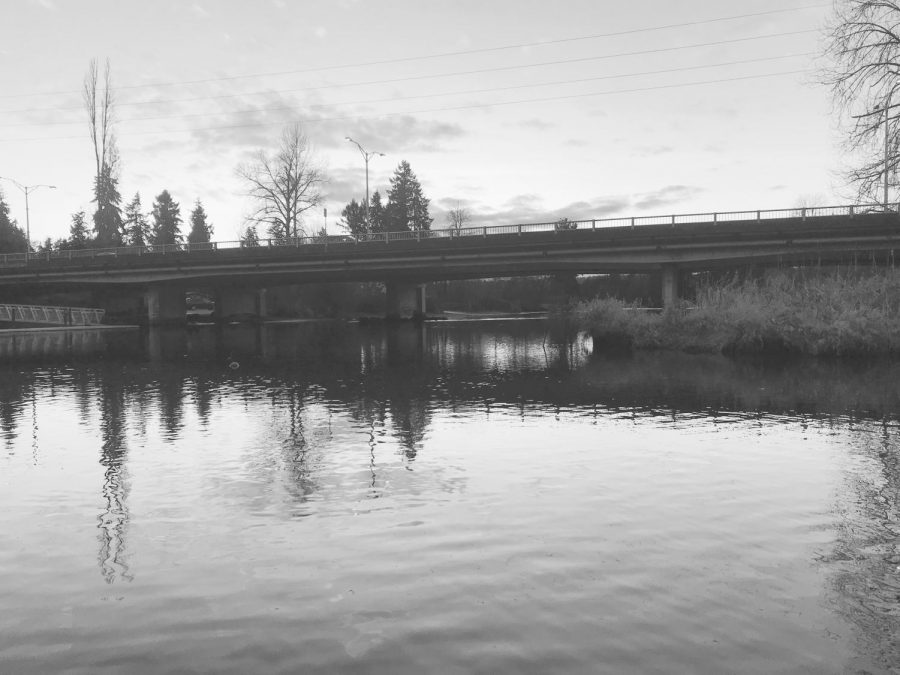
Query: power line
[[429, 110], [482, 71], [422, 96], [422, 57]]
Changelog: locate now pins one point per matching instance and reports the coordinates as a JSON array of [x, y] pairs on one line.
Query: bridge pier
[[670, 290], [404, 300], [239, 303], [165, 304]]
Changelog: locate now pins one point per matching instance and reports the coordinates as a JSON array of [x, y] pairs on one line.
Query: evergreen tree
[[201, 231], [354, 219], [407, 208], [376, 213], [108, 217], [137, 229], [78, 232], [250, 236], [166, 220], [12, 238]]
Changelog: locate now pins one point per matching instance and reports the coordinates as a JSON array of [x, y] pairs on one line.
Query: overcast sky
[[517, 110]]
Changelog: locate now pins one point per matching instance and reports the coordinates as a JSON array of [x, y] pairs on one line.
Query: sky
[[515, 110]]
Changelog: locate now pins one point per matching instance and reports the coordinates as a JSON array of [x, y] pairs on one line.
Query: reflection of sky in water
[[439, 498]]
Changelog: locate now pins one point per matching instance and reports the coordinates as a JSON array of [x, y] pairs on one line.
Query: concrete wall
[[165, 304], [404, 300], [239, 303]]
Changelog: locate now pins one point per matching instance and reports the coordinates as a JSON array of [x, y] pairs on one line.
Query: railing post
[[593, 224], [519, 227], [851, 211], [757, 215], [418, 235], [715, 217], [632, 221], [803, 213], [484, 232], [673, 220]]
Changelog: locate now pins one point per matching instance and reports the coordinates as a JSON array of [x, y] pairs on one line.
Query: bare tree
[[457, 219], [284, 185], [864, 75], [99, 105]]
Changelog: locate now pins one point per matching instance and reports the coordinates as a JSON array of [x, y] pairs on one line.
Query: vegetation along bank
[[844, 312]]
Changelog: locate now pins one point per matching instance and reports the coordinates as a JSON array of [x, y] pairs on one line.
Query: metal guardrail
[[802, 213], [56, 316]]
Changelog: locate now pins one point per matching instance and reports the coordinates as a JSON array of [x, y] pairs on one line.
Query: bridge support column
[[165, 304], [669, 286], [238, 303], [404, 300]]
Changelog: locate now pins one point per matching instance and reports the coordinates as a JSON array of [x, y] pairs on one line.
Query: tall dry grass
[[838, 312]]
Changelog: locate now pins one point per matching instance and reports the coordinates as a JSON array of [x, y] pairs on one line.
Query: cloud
[[394, 135], [537, 124], [320, 32], [46, 4], [652, 150], [667, 196], [529, 208]]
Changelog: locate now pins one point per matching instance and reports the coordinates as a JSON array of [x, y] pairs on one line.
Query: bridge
[[156, 277], [41, 315]]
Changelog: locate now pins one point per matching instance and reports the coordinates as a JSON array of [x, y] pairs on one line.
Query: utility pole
[[366, 156], [27, 189]]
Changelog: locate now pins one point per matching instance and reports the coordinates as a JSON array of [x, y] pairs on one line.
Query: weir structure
[[155, 278]]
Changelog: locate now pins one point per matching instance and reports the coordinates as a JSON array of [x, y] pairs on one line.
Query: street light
[[27, 189], [366, 156]]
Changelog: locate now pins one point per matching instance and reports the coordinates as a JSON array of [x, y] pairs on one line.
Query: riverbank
[[816, 313]]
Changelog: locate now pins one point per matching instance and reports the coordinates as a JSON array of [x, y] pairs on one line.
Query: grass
[[818, 313]]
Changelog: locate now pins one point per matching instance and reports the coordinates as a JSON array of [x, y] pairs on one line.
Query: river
[[457, 497]]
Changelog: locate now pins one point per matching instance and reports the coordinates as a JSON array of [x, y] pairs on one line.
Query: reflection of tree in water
[[296, 452], [865, 565], [171, 402], [113, 521], [15, 389]]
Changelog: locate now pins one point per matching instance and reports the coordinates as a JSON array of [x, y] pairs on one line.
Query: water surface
[[452, 498]]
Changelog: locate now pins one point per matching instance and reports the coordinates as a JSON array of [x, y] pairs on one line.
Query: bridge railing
[[564, 224], [58, 316]]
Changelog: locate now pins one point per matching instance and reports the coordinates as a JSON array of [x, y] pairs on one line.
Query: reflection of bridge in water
[[52, 316], [512, 364], [30, 345]]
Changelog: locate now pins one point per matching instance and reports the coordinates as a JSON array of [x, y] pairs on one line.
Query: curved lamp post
[[27, 189], [366, 156]]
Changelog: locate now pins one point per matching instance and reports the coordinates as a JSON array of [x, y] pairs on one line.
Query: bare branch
[[283, 185]]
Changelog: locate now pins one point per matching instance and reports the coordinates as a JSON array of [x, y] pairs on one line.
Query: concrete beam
[[165, 304], [670, 291], [404, 300]]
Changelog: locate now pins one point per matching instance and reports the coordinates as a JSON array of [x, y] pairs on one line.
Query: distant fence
[[800, 214], [53, 316]]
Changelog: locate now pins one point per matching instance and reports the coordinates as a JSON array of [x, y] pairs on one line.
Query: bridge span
[[157, 276]]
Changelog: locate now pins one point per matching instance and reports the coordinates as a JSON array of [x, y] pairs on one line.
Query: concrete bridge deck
[[686, 242]]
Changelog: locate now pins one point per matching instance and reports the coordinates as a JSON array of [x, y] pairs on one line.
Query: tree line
[[283, 186]]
